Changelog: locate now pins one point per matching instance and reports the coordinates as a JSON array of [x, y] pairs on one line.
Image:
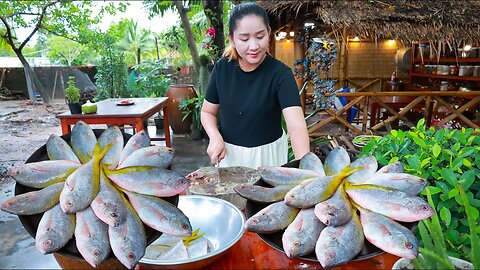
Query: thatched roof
[[403, 19]]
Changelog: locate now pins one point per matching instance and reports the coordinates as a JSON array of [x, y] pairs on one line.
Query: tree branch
[[38, 25], [22, 13], [8, 34], [60, 35]]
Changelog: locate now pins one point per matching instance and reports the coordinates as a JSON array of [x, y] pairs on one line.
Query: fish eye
[[97, 253], [131, 256], [48, 242], [297, 244], [114, 215], [184, 226], [409, 245], [331, 254]]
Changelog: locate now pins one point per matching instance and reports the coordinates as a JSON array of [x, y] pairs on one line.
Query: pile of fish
[[101, 192], [330, 208]]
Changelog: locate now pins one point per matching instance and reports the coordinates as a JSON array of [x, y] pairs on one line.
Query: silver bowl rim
[[215, 252]]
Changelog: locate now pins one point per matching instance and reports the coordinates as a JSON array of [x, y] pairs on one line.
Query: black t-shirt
[[251, 103]]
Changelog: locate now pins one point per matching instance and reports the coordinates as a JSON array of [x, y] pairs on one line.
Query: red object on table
[[250, 252], [110, 113]]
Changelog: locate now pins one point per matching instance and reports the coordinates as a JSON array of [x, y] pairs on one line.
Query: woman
[[247, 93]]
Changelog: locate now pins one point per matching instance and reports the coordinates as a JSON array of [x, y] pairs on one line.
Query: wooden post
[[299, 53], [343, 58]]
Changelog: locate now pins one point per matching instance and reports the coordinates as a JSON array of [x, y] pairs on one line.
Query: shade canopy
[[401, 19]]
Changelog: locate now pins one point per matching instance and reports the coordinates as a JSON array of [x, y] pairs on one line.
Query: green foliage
[[64, 50], [474, 226], [135, 40], [192, 106], [433, 254], [445, 158], [147, 80], [72, 93], [434, 251], [111, 75]]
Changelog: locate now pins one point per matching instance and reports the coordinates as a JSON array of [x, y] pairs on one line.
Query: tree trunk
[[215, 17], [138, 56], [33, 83], [189, 35]]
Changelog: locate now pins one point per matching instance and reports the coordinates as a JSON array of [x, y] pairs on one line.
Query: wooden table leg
[[166, 127], [139, 125], [65, 127]]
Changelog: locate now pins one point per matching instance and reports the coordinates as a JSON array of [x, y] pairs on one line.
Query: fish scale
[[82, 186], [273, 218], [262, 194], [128, 240], [338, 245], [336, 210], [149, 180], [137, 141], [310, 161], [43, 173], [58, 149], [112, 136], [301, 235], [91, 237], [55, 229], [83, 141], [160, 215], [109, 205], [34, 202], [155, 156], [388, 235], [392, 203]]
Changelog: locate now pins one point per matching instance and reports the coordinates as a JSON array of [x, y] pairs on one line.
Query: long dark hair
[[237, 13]]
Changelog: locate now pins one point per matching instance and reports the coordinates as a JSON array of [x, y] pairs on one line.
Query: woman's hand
[[216, 150]]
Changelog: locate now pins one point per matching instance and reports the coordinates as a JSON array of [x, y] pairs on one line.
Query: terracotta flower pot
[[175, 93]]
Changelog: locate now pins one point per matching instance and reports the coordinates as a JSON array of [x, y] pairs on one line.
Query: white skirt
[[272, 154]]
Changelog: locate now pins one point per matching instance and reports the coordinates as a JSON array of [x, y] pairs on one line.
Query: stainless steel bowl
[[221, 221]]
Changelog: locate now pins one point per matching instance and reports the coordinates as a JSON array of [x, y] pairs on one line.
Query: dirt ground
[[25, 127]]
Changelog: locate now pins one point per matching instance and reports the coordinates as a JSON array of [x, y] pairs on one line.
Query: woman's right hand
[[216, 150]]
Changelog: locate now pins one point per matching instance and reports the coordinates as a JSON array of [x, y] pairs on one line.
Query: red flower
[[211, 32]]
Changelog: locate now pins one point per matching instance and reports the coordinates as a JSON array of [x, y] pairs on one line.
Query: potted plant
[[72, 95], [193, 106], [433, 254]]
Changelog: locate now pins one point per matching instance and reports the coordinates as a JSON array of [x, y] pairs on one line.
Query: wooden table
[[250, 252], [110, 113], [394, 102]]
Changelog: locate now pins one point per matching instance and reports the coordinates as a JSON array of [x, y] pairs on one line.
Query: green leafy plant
[[147, 80], [111, 75], [193, 107], [445, 158], [72, 93], [433, 254]]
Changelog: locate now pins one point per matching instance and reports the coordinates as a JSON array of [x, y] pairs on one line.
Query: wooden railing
[[397, 104]]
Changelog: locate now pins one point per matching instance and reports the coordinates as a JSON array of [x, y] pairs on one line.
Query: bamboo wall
[[365, 60]]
